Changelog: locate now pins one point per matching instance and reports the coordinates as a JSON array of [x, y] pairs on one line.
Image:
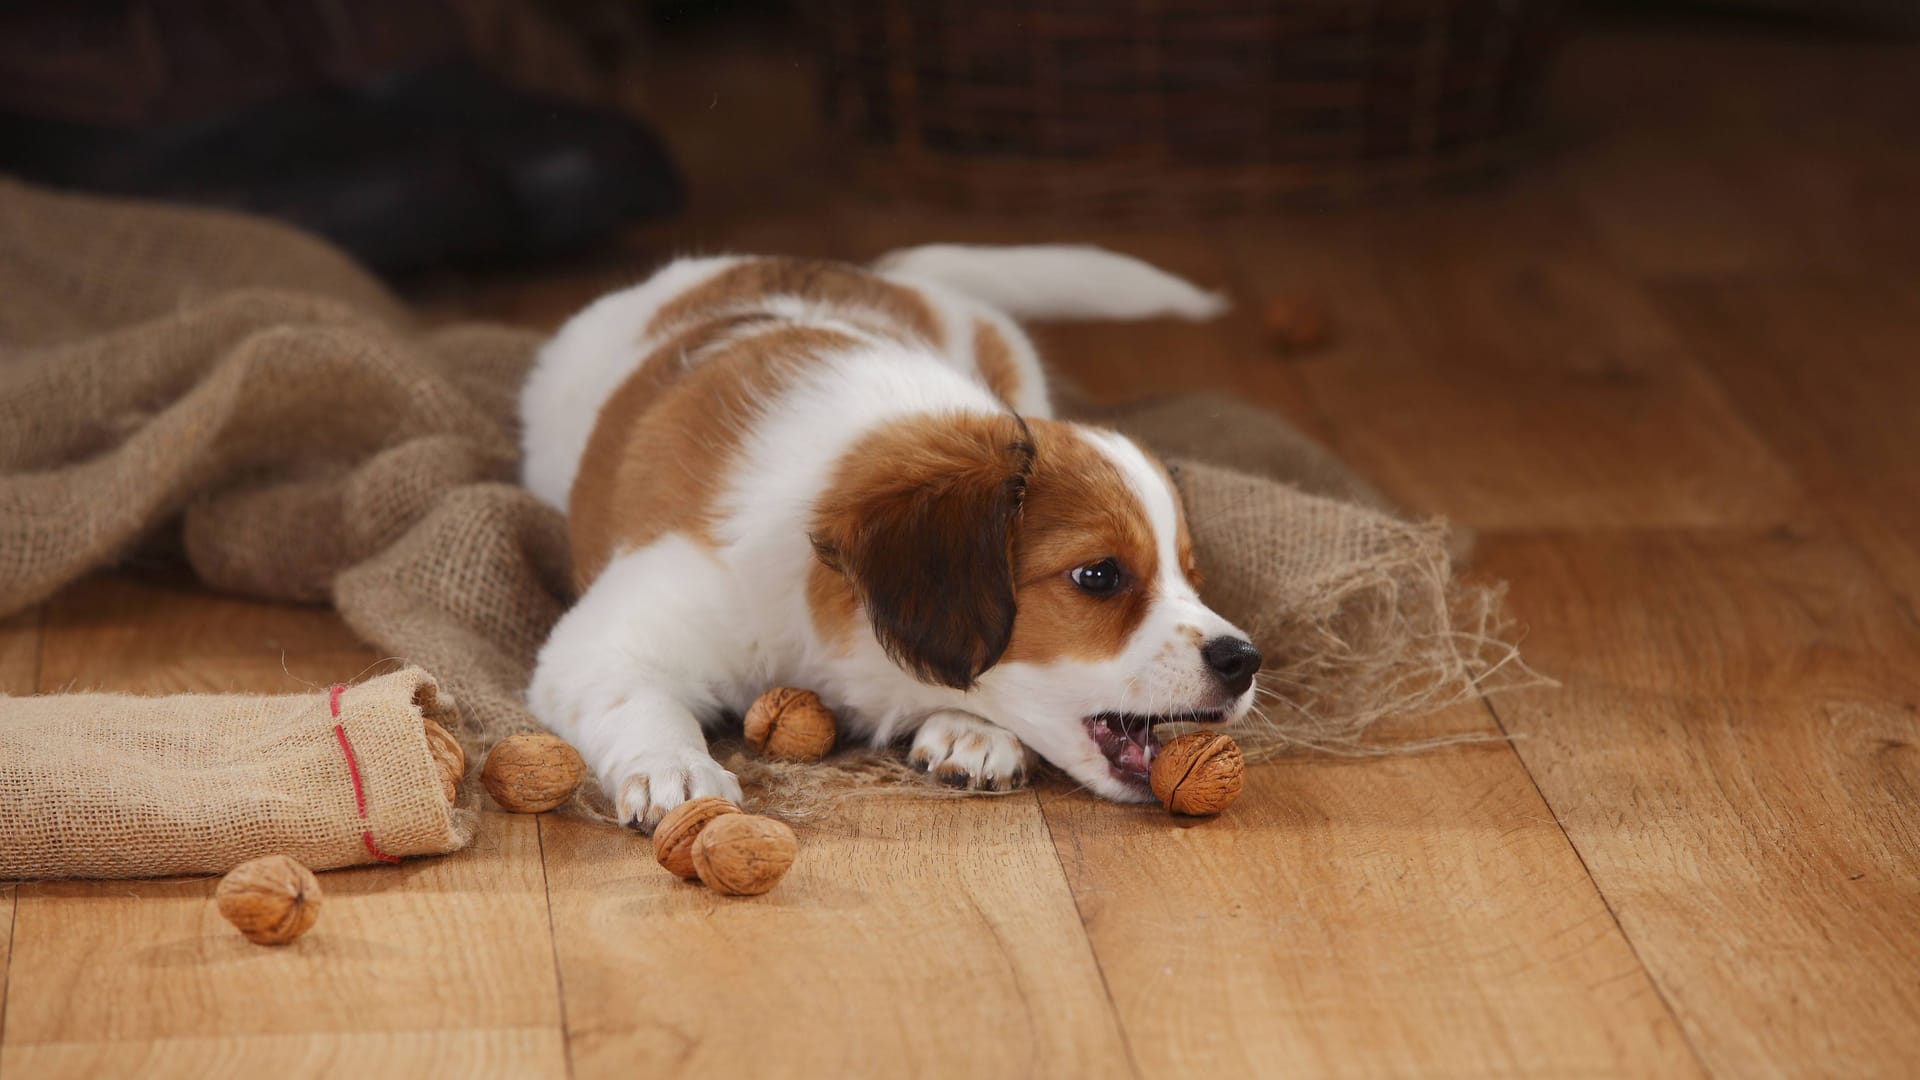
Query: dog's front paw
[[965, 751], [655, 782]]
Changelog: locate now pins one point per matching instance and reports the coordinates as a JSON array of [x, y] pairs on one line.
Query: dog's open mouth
[[1126, 739]]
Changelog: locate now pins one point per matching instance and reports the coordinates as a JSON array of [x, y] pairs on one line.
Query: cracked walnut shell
[[1199, 773], [789, 725]]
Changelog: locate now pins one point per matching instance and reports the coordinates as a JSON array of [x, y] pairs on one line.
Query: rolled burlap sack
[[118, 786]]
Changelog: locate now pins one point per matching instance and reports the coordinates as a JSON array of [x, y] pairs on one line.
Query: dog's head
[[1046, 567]]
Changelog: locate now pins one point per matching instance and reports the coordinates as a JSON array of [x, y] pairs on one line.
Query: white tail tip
[[1057, 281]]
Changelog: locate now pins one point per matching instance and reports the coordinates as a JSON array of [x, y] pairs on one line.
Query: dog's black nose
[[1234, 660]]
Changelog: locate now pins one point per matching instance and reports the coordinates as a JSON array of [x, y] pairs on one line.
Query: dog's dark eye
[[1097, 578]]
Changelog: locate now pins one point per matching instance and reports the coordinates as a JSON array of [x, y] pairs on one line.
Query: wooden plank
[[1790, 615], [1734, 755], [1650, 165], [1507, 281], [1744, 153], [450, 953], [166, 635], [1557, 451], [1667, 212], [1401, 915], [1329, 259], [8, 901], [19, 672], [1825, 372], [20, 652], [912, 937], [1506, 375], [454, 943], [515, 1052]]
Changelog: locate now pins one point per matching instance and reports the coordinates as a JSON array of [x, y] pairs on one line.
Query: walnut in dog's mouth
[[1126, 740]]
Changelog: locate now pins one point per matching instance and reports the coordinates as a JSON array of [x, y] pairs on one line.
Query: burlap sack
[[111, 785], [160, 365]]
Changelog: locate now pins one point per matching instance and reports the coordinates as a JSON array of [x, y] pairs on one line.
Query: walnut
[[1200, 773], [533, 773], [673, 837], [449, 757], [789, 725], [271, 900], [1297, 323], [743, 854]]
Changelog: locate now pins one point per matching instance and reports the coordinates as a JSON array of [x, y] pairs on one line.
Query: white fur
[[673, 635], [1055, 281], [577, 371], [629, 688], [958, 748]]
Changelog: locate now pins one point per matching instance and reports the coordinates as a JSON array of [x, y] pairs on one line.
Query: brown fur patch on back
[[994, 358], [918, 522], [663, 446], [839, 285], [1079, 510]]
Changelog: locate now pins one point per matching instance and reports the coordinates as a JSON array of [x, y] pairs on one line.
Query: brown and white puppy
[[789, 473]]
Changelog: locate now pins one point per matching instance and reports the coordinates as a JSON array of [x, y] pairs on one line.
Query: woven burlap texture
[[111, 785], [317, 445]]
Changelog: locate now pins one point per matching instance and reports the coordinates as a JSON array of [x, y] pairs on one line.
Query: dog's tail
[[1056, 281]]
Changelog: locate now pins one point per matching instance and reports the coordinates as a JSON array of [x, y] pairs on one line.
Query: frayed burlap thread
[[1356, 611]]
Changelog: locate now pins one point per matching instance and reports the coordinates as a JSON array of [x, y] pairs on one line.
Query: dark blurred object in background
[[1901, 16], [411, 133], [1176, 109], [449, 133]]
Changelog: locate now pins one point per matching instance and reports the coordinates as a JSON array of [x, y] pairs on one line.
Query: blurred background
[[1500, 201], [463, 135]]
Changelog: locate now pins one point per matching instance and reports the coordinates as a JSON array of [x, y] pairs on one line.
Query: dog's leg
[[962, 750], [629, 671]]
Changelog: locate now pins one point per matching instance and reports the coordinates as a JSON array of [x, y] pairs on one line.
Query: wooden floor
[[1672, 373]]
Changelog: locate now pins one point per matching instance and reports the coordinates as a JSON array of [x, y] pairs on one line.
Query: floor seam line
[[1080, 916], [553, 946], [1633, 947]]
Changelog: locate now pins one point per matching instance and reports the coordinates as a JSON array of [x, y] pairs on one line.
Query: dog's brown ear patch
[[919, 518]]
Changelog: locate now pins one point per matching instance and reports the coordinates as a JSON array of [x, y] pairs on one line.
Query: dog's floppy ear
[[919, 518]]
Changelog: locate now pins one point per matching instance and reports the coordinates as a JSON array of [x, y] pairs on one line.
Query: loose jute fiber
[[164, 368]]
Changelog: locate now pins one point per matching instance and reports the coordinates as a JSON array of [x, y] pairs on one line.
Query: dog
[[783, 472]]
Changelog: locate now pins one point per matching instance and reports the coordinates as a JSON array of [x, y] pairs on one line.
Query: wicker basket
[[1157, 108]]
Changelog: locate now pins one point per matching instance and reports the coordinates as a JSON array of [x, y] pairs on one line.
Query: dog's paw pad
[[650, 785], [965, 752]]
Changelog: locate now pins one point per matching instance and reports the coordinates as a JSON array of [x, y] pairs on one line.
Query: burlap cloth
[[316, 445], [108, 785]]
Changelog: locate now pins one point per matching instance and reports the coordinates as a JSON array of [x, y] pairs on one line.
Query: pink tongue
[[1132, 758]]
